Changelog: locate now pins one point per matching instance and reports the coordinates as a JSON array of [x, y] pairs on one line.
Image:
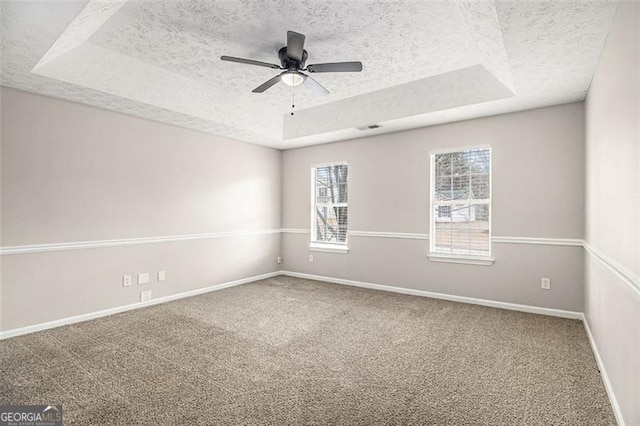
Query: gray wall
[[74, 173], [538, 191], [612, 304]]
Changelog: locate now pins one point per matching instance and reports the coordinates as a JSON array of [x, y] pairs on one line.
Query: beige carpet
[[291, 351]]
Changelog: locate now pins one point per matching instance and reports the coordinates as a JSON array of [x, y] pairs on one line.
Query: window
[[461, 205], [329, 207], [444, 211]]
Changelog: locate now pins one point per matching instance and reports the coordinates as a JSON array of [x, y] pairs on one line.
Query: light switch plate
[[545, 283], [143, 278]]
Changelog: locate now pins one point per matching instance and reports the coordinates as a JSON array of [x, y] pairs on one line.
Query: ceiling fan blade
[[295, 45], [336, 67], [250, 62], [315, 87], [267, 84]]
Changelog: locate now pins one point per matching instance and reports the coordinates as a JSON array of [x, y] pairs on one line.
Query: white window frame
[[324, 246], [435, 256]]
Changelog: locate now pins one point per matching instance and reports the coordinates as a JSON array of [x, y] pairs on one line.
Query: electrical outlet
[[311, 258], [545, 283], [126, 281], [143, 278], [162, 275], [145, 296], [279, 259]]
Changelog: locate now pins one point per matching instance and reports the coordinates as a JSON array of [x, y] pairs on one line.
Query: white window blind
[[461, 203], [329, 210]]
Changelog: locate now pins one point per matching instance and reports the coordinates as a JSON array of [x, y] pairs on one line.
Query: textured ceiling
[[425, 62]]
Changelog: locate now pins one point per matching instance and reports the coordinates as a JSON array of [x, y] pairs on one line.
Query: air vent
[[369, 127]]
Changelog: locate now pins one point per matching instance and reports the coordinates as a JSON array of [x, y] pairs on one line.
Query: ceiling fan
[[292, 60]]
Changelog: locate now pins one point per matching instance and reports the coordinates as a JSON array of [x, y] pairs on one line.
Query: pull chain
[[293, 104]]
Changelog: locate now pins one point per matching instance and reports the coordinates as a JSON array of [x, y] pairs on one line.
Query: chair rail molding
[[81, 245], [626, 275]]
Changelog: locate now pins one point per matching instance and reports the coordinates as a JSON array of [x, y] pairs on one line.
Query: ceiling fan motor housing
[[290, 63]]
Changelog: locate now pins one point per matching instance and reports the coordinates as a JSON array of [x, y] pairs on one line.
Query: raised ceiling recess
[[424, 63]]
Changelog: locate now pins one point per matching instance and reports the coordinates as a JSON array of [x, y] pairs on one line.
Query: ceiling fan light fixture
[[292, 78]]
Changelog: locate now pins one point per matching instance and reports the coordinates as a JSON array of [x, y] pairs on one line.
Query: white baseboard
[[603, 373], [118, 309], [484, 302]]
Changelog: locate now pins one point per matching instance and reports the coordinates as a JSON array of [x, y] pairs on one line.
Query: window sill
[[328, 248], [469, 260]]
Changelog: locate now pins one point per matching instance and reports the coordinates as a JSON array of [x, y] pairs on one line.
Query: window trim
[[324, 246], [435, 256], [328, 248]]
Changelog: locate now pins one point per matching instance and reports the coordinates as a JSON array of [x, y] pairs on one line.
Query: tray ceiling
[[424, 62]]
